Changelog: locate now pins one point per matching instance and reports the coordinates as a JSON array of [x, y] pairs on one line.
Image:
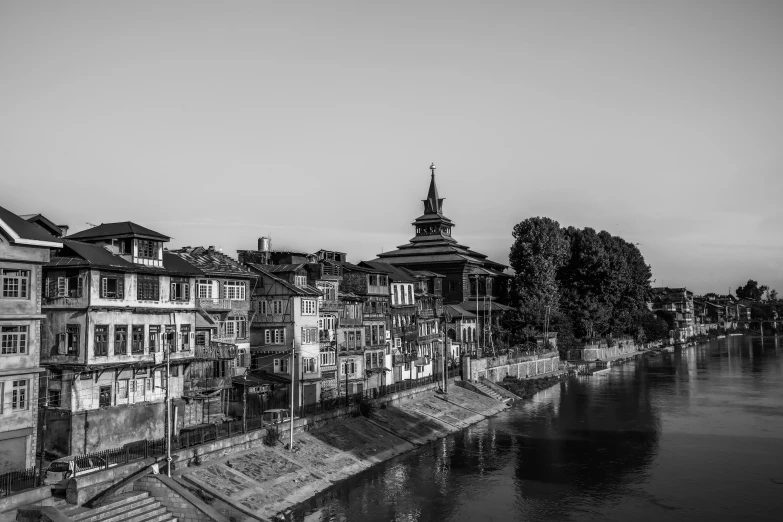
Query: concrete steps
[[488, 392], [137, 506]]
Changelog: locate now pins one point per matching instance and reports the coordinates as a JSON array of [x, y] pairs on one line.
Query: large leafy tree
[[751, 290], [539, 250]]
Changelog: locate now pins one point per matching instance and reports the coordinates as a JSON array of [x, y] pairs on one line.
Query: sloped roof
[[22, 232], [306, 290], [425, 273], [80, 254], [43, 222], [396, 274], [212, 262], [120, 229], [457, 311], [284, 268], [476, 306]]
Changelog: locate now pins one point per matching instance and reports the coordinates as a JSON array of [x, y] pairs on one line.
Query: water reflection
[[691, 435]]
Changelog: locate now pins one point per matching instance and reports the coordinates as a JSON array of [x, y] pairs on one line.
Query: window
[[15, 283], [395, 297], [13, 340], [148, 249], [281, 365], [308, 307], [206, 289], [71, 345], [122, 389], [308, 365], [19, 395], [274, 336], [410, 294], [180, 289], [234, 290], [262, 307], [348, 366], [137, 338], [367, 361], [309, 335], [327, 358], [112, 286], [104, 399], [328, 291], [101, 340], [120, 340], [53, 399], [277, 307], [373, 280], [184, 335], [170, 339], [69, 285], [139, 386], [300, 281], [154, 335], [147, 288]]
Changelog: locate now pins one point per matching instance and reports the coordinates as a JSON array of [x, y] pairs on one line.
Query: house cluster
[[688, 315], [101, 327]]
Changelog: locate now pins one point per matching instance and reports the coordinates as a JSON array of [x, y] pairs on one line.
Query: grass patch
[[526, 388]]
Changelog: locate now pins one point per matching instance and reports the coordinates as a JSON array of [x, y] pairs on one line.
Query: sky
[[315, 123]]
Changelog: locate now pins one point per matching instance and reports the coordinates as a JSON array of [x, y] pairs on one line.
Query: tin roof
[[306, 290], [22, 232], [212, 262], [120, 229]]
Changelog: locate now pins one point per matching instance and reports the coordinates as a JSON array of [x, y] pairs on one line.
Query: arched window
[[396, 297], [410, 294], [465, 334]]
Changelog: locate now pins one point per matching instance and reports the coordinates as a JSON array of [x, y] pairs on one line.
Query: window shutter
[[187, 291], [103, 287], [277, 363], [62, 287], [367, 335], [46, 288], [120, 287], [61, 340], [173, 295], [79, 286]]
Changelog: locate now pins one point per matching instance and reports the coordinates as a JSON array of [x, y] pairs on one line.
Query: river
[[694, 435]]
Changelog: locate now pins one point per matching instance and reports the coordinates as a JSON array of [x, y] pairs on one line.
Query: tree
[[751, 290], [772, 295], [539, 250]]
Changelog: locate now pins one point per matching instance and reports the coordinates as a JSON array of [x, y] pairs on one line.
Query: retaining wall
[[495, 369], [177, 499], [591, 354]]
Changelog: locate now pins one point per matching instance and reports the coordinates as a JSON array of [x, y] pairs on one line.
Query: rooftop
[[119, 230], [21, 232]]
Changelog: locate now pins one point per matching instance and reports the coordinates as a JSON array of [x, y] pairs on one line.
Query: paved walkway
[[264, 481]]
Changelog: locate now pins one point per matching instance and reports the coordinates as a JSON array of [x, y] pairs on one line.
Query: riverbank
[[265, 482], [526, 388]]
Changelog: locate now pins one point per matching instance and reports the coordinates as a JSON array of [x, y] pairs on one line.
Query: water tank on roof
[[264, 244]]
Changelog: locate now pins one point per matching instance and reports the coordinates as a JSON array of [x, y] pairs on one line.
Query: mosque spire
[[433, 204]]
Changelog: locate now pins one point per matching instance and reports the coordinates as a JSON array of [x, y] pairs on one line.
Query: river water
[[696, 435]]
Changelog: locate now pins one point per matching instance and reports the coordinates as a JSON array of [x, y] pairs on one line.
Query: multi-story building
[[284, 308], [430, 319], [460, 330], [471, 280], [403, 320], [117, 305], [222, 339], [24, 249], [372, 286], [675, 306]]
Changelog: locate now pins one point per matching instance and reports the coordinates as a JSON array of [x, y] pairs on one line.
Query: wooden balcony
[[216, 351], [221, 305], [206, 384], [329, 306]]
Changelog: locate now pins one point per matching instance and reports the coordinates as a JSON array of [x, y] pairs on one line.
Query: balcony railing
[[214, 304], [228, 339], [216, 350], [327, 345], [345, 347], [329, 306], [426, 314], [206, 383]]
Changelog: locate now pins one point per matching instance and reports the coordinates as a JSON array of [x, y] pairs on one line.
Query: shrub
[[271, 436]]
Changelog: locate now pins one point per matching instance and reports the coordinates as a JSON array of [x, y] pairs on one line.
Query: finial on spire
[[432, 168]]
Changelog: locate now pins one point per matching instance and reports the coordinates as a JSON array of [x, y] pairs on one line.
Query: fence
[[21, 480], [17, 481]]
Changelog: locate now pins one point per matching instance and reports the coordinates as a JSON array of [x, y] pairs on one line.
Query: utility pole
[[293, 387], [244, 402], [168, 420]]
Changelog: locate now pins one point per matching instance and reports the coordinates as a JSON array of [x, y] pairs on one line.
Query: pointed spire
[[433, 204]]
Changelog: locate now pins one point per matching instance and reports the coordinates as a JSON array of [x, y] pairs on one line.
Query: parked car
[[62, 470], [277, 416]]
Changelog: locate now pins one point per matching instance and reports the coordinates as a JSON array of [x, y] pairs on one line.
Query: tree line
[[586, 284]]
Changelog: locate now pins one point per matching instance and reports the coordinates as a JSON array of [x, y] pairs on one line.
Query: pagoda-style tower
[[432, 248]]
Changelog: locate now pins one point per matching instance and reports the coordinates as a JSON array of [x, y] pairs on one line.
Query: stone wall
[[594, 353], [495, 369]]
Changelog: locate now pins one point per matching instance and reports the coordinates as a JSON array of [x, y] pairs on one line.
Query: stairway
[[488, 392], [136, 506]]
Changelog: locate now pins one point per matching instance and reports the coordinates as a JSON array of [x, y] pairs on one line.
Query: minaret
[[433, 204]]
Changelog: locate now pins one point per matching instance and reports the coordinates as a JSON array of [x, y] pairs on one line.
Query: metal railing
[[15, 481]]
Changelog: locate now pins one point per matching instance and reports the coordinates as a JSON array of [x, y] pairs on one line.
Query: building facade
[[117, 306], [24, 249]]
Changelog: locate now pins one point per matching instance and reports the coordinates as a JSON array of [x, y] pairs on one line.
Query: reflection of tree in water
[[604, 437]]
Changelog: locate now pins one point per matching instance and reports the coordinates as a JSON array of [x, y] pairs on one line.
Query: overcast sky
[[219, 122]]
